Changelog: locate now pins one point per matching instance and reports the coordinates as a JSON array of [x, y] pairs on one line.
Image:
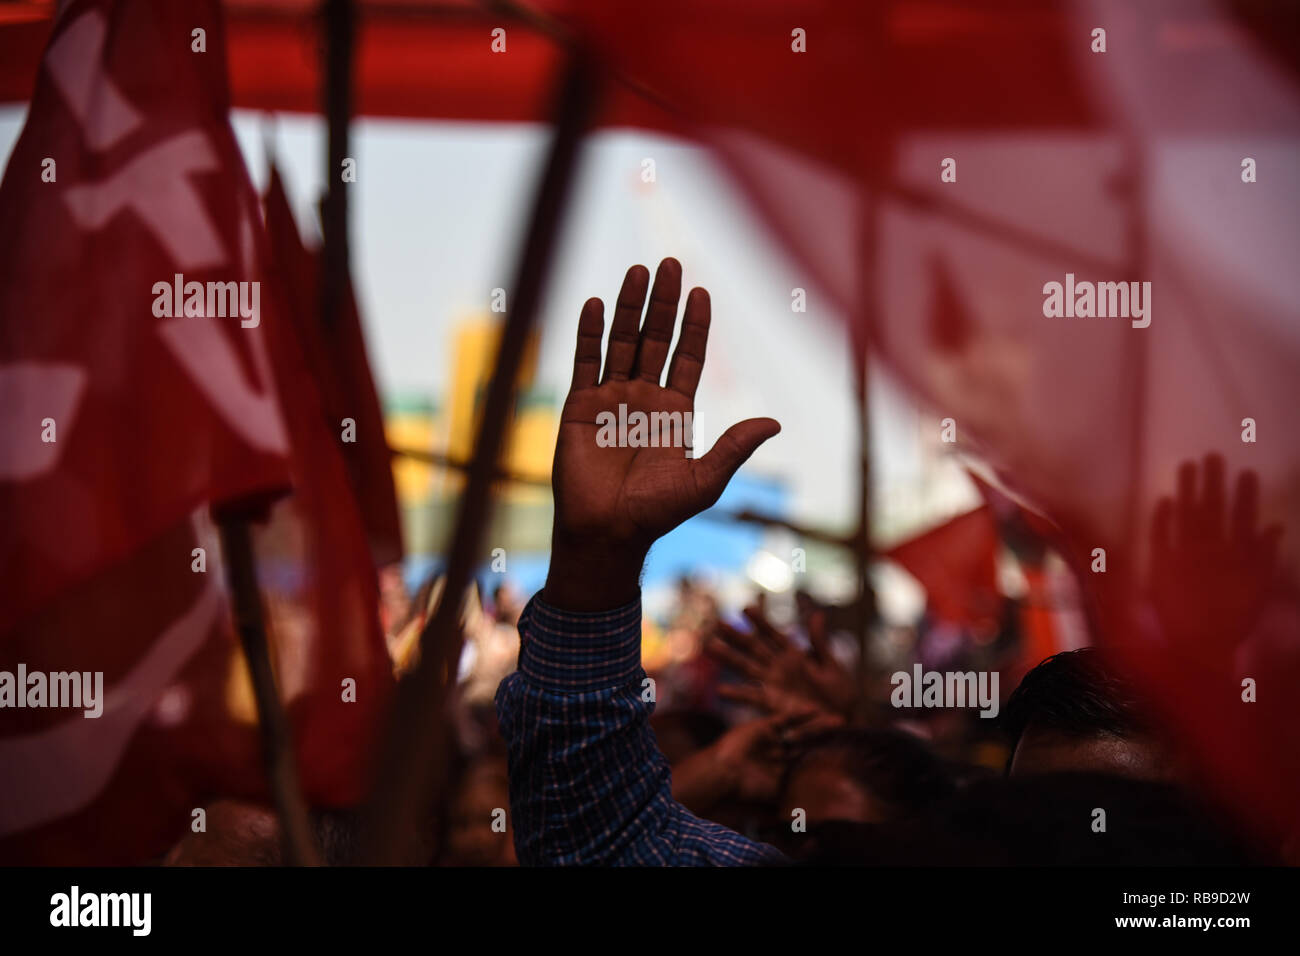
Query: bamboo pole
[[277, 745], [339, 19], [415, 754]]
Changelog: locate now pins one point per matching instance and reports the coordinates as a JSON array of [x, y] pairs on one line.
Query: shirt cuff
[[572, 651]]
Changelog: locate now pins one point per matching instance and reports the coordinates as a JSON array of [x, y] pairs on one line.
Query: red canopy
[[434, 59]]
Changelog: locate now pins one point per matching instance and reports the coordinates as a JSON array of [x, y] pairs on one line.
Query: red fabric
[[1105, 167], [274, 53], [337, 361], [78, 339], [956, 563], [410, 62], [157, 418], [322, 594], [325, 596], [1028, 535], [119, 789]]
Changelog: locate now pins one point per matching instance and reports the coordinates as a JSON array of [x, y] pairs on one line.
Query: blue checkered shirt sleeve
[[588, 784]]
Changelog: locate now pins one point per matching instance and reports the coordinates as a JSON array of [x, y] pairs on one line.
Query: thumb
[[731, 451]]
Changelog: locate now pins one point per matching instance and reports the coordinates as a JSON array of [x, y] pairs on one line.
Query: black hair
[[895, 768], [1044, 821], [1076, 694]]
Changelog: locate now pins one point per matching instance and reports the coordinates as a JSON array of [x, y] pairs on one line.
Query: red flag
[[1048, 606], [140, 387], [336, 673], [130, 405], [956, 563], [336, 358], [117, 421]]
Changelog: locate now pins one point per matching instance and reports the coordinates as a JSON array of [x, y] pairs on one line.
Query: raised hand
[[748, 761], [787, 679], [1211, 565], [612, 500]]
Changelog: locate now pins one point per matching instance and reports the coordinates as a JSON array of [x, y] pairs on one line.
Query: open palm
[[1212, 566], [621, 495]]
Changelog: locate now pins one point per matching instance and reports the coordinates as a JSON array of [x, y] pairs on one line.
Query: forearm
[[588, 784]]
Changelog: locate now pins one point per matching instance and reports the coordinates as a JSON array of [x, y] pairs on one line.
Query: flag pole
[[439, 460], [416, 749], [859, 341], [339, 20], [277, 746], [862, 547], [236, 542], [862, 321]]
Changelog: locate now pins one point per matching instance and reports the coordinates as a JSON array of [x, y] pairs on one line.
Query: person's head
[[864, 776], [1072, 713], [235, 833], [1053, 819]]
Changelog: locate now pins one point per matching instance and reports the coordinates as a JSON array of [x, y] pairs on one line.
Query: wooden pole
[[339, 19], [277, 744], [874, 161], [439, 460], [416, 751], [868, 304], [862, 546]]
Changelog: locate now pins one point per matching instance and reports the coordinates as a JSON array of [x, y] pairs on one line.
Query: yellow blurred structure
[[447, 425], [531, 440]]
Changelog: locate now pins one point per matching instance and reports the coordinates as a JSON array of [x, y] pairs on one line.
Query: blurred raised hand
[[748, 762], [1212, 566], [786, 678]]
